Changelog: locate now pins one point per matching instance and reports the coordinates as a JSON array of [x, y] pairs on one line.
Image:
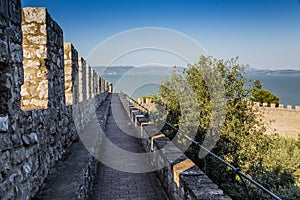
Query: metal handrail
[[235, 169]]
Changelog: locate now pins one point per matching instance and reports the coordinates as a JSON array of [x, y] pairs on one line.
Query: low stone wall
[[181, 179]]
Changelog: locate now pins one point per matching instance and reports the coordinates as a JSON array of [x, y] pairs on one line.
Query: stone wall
[[181, 178], [11, 79], [285, 122], [32, 140], [11, 71], [282, 120]]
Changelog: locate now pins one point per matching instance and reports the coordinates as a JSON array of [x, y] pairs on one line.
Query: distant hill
[[113, 70], [279, 72], [120, 70]]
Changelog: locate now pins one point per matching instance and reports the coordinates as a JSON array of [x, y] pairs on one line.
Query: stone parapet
[[180, 177], [71, 73]]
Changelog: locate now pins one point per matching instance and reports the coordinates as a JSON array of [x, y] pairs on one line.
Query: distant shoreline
[[281, 72], [120, 70]]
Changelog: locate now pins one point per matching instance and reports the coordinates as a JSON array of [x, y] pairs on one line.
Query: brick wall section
[[71, 73], [82, 79]]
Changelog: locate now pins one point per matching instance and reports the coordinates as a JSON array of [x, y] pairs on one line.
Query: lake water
[[287, 88]]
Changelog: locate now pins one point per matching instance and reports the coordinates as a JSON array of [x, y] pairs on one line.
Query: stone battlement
[[43, 85], [51, 67], [283, 120], [280, 106]]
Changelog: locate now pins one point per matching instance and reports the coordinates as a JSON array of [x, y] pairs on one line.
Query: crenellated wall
[[283, 120], [36, 124], [272, 105]]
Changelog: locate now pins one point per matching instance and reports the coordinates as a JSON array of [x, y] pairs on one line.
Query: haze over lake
[[141, 82]]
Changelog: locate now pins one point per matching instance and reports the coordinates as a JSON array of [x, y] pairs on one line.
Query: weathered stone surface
[[43, 60], [37, 15], [32, 141], [285, 122], [18, 156], [82, 79], [71, 73], [88, 82], [3, 123]]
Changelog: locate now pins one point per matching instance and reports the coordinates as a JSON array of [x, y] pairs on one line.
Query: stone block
[[18, 156], [273, 105], [3, 123], [34, 15]]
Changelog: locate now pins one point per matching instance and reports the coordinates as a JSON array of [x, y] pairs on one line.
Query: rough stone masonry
[[36, 125]]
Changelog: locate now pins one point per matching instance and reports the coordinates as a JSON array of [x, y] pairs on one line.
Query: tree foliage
[[242, 142], [265, 96]]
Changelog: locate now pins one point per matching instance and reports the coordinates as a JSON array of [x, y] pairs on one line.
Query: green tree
[[242, 142], [298, 141], [265, 96]]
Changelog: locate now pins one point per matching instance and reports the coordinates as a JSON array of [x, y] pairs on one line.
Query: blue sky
[[263, 33]]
